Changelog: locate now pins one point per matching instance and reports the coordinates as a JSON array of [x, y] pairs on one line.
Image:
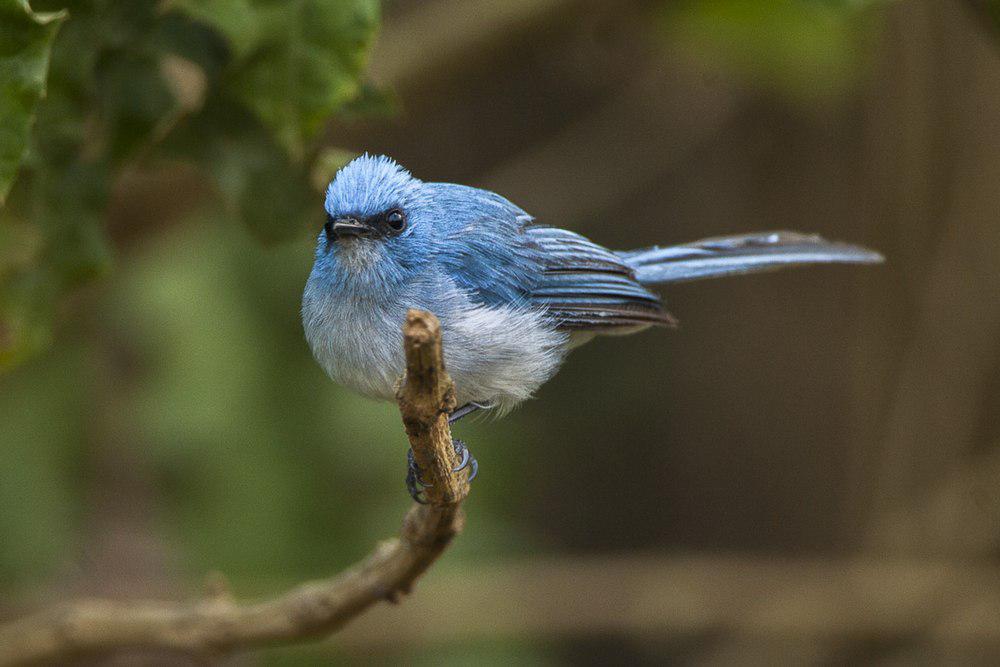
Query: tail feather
[[745, 253]]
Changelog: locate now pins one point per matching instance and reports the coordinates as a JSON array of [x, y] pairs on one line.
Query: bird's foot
[[466, 459], [415, 483]]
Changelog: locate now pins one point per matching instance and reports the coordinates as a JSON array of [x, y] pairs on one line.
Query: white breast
[[357, 341], [497, 355]]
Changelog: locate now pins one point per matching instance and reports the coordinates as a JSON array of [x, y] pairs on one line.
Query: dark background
[[804, 472]]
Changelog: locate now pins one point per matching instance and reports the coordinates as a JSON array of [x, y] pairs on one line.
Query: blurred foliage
[[183, 393], [239, 88], [805, 49], [25, 38], [197, 376]]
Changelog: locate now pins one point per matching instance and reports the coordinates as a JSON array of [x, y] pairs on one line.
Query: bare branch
[[217, 625]]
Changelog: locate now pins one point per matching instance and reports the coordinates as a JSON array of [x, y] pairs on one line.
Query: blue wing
[[496, 254], [585, 286], [482, 247]]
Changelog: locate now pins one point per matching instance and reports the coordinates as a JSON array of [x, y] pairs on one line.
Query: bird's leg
[[415, 483], [467, 409], [467, 459]]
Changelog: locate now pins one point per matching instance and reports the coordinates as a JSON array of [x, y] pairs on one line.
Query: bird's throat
[[357, 255]]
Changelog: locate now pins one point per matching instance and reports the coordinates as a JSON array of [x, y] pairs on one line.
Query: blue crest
[[369, 185]]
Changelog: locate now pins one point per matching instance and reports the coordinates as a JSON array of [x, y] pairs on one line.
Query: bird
[[513, 295]]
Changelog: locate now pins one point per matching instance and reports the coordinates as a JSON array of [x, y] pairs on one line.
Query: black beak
[[338, 227]]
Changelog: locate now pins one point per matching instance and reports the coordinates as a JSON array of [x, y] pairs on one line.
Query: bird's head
[[378, 219]]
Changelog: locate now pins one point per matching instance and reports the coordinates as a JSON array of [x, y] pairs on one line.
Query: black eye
[[396, 220], [328, 228]]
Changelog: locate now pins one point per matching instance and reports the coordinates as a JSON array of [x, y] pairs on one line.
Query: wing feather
[[586, 286]]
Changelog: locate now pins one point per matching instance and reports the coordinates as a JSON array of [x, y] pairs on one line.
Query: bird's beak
[[347, 227]]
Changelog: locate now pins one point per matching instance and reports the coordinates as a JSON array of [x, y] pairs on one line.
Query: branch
[[217, 626]]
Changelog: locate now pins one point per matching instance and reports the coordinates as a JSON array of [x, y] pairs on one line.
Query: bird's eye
[[328, 228], [395, 220]]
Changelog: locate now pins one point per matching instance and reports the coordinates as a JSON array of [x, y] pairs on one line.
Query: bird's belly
[[357, 344], [500, 355], [495, 355]]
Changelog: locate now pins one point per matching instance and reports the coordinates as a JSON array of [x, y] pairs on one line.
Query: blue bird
[[513, 296]]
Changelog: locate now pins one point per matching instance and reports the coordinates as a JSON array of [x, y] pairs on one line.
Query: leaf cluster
[[91, 89]]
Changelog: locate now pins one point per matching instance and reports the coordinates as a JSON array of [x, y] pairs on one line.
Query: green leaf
[[295, 63], [261, 184], [25, 43], [236, 20], [63, 246], [235, 88]]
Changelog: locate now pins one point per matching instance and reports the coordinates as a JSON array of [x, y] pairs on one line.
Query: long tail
[[746, 253]]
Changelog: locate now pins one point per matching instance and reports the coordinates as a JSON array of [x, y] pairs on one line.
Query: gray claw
[[463, 451], [415, 483]]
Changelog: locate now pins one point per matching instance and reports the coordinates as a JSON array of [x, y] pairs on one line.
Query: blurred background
[[805, 472]]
